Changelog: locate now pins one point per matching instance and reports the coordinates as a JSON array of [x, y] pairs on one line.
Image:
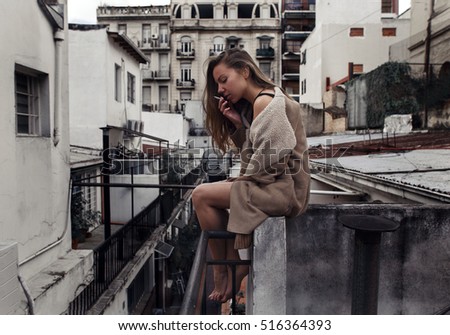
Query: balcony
[[181, 54], [162, 75], [183, 84], [154, 44], [265, 53], [140, 12], [129, 243]]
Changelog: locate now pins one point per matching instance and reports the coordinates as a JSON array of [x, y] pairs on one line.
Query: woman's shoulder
[[262, 100]]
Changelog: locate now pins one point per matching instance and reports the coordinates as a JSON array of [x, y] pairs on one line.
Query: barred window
[[32, 102]]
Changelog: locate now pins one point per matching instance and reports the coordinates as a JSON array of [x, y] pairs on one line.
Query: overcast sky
[[85, 11]]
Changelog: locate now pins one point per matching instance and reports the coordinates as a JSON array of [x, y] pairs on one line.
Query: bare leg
[[211, 202], [241, 271]]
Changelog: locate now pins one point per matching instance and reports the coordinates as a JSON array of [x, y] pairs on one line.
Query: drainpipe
[[59, 38], [427, 61]]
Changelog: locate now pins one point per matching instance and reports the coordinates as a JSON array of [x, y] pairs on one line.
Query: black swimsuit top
[[244, 120], [263, 93]]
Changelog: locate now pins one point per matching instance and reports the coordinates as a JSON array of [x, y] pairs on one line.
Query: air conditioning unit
[[9, 282], [154, 36], [137, 125]]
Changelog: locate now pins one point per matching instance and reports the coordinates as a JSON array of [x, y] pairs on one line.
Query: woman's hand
[[227, 109]]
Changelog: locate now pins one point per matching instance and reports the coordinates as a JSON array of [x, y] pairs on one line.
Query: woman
[[243, 105]]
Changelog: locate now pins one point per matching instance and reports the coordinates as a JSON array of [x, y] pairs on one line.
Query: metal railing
[[194, 301], [113, 254]]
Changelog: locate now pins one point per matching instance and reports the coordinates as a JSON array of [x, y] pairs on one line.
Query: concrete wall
[[34, 184], [313, 121], [413, 261]]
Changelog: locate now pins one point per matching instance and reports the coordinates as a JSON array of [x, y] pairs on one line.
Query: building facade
[[180, 37], [105, 85], [298, 21], [40, 273], [338, 47]]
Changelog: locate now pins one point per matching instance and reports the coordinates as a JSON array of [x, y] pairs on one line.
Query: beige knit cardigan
[[274, 178]]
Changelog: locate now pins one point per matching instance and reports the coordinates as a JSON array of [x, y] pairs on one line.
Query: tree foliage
[[390, 90]]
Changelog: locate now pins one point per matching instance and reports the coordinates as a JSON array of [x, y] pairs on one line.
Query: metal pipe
[[106, 184], [366, 261], [59, 38], [176, 186], [189, 303]]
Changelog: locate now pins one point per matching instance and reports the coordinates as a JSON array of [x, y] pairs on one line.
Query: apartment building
[[180, 37], [298, 21], [350, 37], [148, 28]]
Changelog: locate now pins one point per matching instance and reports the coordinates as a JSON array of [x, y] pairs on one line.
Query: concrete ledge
[[267, 280], [57, 285]]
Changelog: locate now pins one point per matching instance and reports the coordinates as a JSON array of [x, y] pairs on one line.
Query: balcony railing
[[185, 83], [197, 278], [185, 54], [111, 256], [265, 53], [133, 11], [114, 253]]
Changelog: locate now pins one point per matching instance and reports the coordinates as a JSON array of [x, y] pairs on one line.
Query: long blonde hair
[[218, 125]]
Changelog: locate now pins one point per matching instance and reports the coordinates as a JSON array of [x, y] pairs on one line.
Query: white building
[[35, 234], [105, 84], [350, 37]]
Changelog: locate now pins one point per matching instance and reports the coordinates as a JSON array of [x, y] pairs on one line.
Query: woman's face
[[231, 84]]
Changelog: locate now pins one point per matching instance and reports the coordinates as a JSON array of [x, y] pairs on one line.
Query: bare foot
[[241, 272], [220, 285]]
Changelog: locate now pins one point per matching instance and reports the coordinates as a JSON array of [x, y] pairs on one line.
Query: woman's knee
[[200, 195]]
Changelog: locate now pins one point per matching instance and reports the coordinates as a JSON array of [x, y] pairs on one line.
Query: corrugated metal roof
[[428, 168]]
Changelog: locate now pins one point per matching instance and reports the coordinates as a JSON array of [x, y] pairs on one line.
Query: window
[[264, 43], [122, 29], [185, 96], [389, 32], [164, 35], [186, 45], [358, 68], [293, 45], [387, 6], [146, 35], [117, 82], [32, 102], [89, 193], [218, 44], [355, 32], [185, 71], [131, 88], [146, 98], [265, 68]]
